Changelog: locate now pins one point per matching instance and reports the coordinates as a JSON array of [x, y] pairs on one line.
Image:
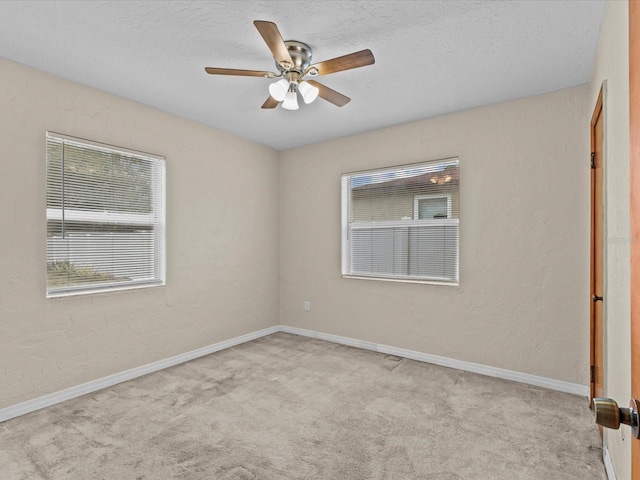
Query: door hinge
[[593, 373], [593, 159]]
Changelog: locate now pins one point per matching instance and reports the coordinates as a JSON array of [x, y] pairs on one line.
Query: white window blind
[[105, 217], [402, 223]]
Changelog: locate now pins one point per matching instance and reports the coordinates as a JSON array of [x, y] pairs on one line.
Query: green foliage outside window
[[63, 273]]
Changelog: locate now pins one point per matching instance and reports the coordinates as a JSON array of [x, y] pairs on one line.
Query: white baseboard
[[94, 385], [104, 382], [608, 466], [550, 383]]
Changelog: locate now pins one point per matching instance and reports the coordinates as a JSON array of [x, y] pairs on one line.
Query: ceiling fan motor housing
[[300, 54]]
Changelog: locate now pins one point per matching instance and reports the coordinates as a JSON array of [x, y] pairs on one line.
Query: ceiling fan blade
[[346, 62], [270, 103], [274, 41], [242, 73], [330, 95]]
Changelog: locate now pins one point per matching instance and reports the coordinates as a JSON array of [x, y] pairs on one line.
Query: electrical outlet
[[307, 306]]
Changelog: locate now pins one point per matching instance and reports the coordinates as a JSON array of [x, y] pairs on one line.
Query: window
[[105, 217], [432, 206], [402, 223]]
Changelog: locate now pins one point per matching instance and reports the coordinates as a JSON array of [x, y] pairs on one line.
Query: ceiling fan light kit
[[279, 89], [290, 99], [308, 92], [293, 61], [283, 89]]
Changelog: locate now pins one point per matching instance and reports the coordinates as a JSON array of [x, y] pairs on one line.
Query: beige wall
[[222, 244], [522, 303], [612, 66]]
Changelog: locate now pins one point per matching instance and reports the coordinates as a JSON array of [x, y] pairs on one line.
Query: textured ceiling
[[432, 57]]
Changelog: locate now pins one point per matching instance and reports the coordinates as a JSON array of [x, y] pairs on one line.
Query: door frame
[[634, 210], [598, 112]]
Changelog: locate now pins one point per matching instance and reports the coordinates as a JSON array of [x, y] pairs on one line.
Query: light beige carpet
[[289, 407]]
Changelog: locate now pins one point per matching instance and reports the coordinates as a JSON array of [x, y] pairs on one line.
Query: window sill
[[402, 280], [95, 291]]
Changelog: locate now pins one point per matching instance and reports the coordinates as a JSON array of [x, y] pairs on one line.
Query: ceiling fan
[[293, 61]]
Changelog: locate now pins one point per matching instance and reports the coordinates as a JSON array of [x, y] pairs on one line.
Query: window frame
[[124, 218], [345, 223]]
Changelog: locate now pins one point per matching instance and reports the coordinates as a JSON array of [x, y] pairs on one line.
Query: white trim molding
[[608, 465], [550, 383], [110, 380]]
